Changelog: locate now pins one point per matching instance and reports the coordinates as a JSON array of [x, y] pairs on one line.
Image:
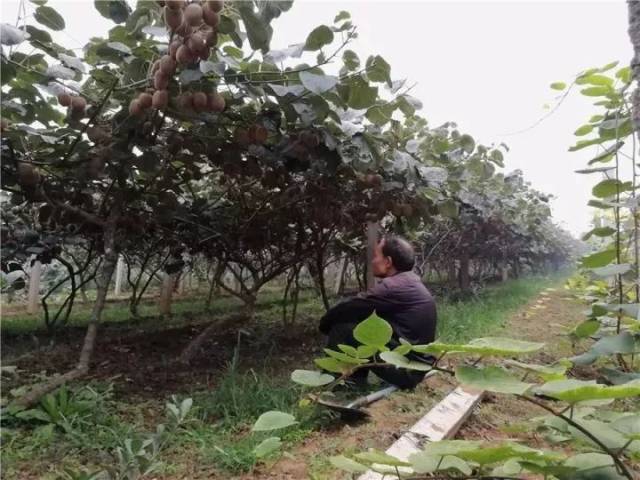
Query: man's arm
[[355, 309]]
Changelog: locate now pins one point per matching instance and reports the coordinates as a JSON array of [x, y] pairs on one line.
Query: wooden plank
[[442, 422], [33, 299]]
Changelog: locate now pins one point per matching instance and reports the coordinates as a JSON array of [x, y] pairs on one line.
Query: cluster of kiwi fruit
[[193, 34], [75, 103]]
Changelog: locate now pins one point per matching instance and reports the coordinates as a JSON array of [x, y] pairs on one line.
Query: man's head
[[391, 255]]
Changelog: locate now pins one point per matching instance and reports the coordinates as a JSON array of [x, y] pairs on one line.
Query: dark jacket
[[402, 300]]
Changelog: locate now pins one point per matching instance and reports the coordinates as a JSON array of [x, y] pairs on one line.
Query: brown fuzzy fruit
[[185, 101], [144, 99], [241, 137], [160, 99], [215, 102], [172, 18], [97, 134], [310, 139], [200, 101], [204, 54], [147, 128], [210, 17], [193, 14], [373, 180], [173, 48], [258, 134], [196, 43], [135, 109], [184, 55], [215, 5], [28, 176], [160, 81], [184, 30], [175, 4], [78, 104], [211, 38], [64, 99], [167, 65]]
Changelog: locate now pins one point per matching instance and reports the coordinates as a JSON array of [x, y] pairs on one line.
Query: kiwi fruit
[[64, 99], [160, 99], [167, 65], [211, 38], [185, 101], [210, 17], [193, 14], [184, 55], [215, 5], [28, 176], [145, 100], [174, 4], [196, 43], [173, 48], [78, 104], [172, 18], [200, 101], [216, 102], [258, 134], [97, 134], [160, 81], [135, 109]]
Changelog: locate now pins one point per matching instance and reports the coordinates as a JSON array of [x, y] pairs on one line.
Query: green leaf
[[311, 378], [351, 60], [607, 154], [467, 143], [586, 328], [258, 31], [349, 350], [361, 95], [493, 379], [624, 74], [377, 116], [343, 357], [424, 462], [558, 85], [318, 38], [611, 270], [48, 17], [448, 208], [498, 346], [547, 372], [318, 83], [332, 365], [623, 343], [366, 351], [607, 188], [596, 91], [629, 426], [599, 232], [273, 420], [116, 10], [618, 377], [574, 391], [599, 259], [378, 70], [400, 361], [594, 79], [347, 464], [267, 447], [373, 331], [376, 456], [490, 454], [583, 130], [343, 15]]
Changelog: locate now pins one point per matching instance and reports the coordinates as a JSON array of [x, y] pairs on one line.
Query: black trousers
[[342, 333]]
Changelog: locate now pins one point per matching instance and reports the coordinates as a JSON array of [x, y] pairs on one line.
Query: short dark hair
[[400, 251]]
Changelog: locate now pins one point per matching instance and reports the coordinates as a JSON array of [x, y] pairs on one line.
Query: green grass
[[486, 314]]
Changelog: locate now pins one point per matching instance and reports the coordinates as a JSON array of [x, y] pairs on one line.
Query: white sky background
[[485, 65]]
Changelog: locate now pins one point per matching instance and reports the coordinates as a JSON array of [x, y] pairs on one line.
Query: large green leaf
[[343, 357], [347, 464], [318, 83], [48, 17], [611, 270], [378, 70], [258, 31], [400, 361], [375, 456], [558, 85], [332, 365], [493, 379], [423, 462], [273, 420], [318, 38], [311, 378], [498, 346], [490, 454], [351, 60], [599, 259], [574, 391], [361, 95], [373, 331], [628, 425], [608, 188], [624, 343], [547, 372], [115, 10], [267, 447]]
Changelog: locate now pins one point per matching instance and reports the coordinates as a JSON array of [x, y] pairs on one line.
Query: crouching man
[[400, 298]]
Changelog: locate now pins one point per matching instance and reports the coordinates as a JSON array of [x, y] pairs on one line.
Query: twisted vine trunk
[[634, 36], [103, 279]]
